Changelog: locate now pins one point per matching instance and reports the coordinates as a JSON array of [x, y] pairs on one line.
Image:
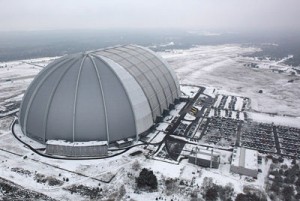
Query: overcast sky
[[230, 15]]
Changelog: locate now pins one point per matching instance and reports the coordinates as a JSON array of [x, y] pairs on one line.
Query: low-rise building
[[124, 143], [244, 161], [76, 149], [205, 158]]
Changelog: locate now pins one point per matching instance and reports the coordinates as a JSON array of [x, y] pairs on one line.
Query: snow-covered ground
[[239, 104], [220, 66], [210, 91], [189, 117], [189, 91], [16, 76], [277, 120], [227, 102]]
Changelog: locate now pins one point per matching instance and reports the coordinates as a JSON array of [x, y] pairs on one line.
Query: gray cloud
[[192, 14]]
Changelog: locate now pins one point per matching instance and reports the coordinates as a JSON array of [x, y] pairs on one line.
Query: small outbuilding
[[205, 158]]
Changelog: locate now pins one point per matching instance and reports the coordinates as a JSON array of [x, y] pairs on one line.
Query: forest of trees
[[286, 183]]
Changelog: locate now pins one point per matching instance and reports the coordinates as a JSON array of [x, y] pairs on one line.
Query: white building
[[244, 161], [205, 158]]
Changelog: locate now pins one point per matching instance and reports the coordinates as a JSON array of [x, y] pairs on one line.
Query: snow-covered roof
[[206, 154], [246, 158], [124, 141]]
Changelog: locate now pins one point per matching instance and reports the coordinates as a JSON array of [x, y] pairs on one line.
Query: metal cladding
[[103, 95]]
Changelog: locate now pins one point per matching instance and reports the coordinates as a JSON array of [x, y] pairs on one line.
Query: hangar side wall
[[76, 151]]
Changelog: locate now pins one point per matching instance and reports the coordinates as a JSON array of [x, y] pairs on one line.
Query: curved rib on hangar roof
[[107, 94], [157, 79]]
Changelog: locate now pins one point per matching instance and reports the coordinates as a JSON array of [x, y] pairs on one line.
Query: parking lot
[[231, 103], [289, 139], [222, 121], [181, 129], [221, 131], [258, 136]]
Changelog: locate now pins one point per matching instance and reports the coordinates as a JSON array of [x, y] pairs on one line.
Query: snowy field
[[189, 91], [221, 67], [15, 77], [277, 120]]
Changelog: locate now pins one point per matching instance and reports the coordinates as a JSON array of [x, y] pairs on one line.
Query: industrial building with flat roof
[[205, 158], [245, 162]]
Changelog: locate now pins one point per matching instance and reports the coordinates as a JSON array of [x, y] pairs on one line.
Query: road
[[33, 64], [182, 113], [189, 105], [17, 78]]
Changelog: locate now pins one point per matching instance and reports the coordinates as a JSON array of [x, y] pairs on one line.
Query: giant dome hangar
[[81, 102]]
